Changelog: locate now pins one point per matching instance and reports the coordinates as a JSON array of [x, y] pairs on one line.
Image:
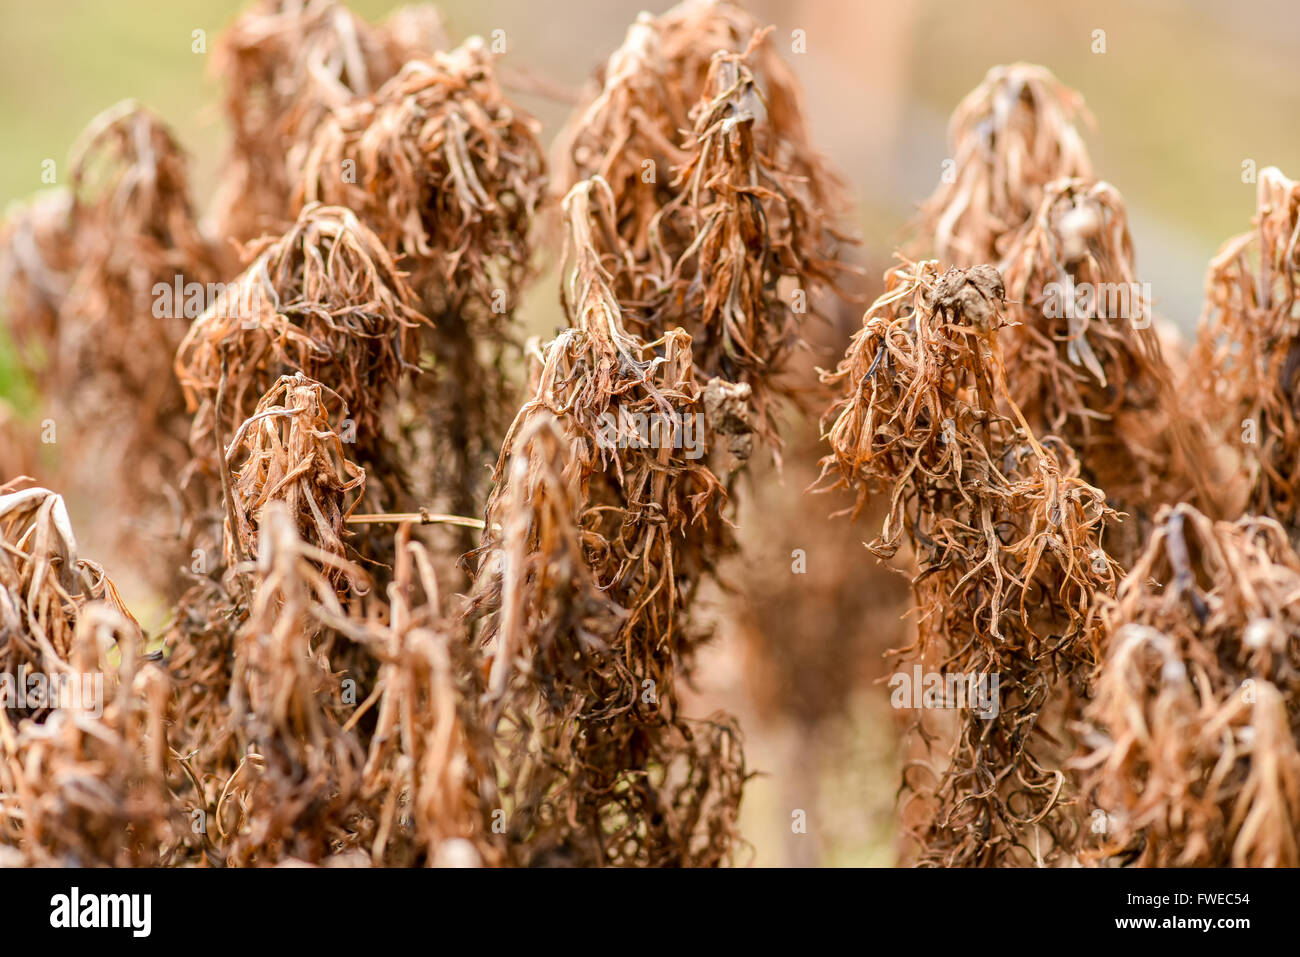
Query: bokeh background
[[1184, 95]]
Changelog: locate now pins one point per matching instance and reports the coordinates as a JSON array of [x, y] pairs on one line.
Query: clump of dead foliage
[[285, 64], [725, 210], [290, 453], [96, 282], [326, 300], [324, 425], [68, 716], [1006, 541], [1249, 351], [1011, 136], [449, 173], [1089, 364], [1190, 743], [633, 524]]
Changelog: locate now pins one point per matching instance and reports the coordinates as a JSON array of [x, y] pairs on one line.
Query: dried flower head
[[1011, 136], [286, 63]]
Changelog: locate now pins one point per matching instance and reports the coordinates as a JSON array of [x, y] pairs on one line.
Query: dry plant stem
[[419, 518]]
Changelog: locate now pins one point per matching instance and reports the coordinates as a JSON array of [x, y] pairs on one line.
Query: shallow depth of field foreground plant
[[438, 590]]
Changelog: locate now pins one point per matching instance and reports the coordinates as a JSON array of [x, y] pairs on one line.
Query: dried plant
[[645, 516], [430, 762], [290, 453], [449, 173], [1011, 136], [82, 757], [1089, 364], [325, 299], [297, 789], [630, 133], [320, 695], [91, 276], [46, 585], [737, 243], [286, 63], [83, 788], [37, 267], [758, 244], [1246, 365], [1191, 738], [322, 729], [1006, 540]]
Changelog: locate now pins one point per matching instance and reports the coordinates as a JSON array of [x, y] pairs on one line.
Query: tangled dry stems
[[1006, 540]]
